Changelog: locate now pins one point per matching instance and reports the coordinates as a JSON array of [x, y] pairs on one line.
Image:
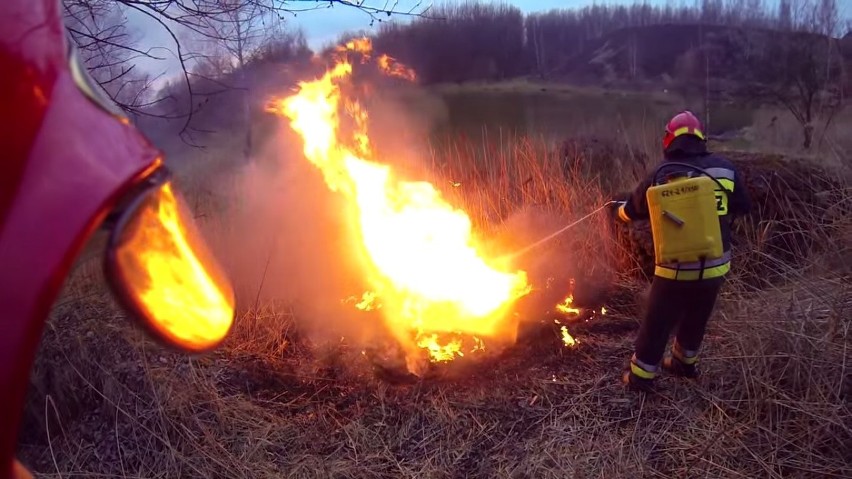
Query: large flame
[[420, 256]]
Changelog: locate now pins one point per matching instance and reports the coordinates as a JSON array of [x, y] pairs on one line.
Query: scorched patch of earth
[[341, 379]]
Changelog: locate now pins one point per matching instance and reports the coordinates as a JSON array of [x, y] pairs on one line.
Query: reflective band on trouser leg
[[685, 356], [642, 369]]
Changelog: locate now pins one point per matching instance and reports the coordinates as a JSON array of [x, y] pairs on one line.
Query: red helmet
[[70, 160], [684, 123]]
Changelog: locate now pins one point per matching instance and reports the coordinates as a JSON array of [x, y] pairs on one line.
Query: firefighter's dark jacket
[[691, 150]]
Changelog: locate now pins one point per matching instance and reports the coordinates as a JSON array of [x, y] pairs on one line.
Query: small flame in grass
[[479, 345], [439, 352], [568, 339], [567, 306]]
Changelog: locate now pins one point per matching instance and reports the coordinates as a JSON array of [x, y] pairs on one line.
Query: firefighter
[[71, 159], [682, 294]]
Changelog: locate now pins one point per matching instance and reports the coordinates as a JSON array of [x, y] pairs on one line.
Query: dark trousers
[[682, 306]]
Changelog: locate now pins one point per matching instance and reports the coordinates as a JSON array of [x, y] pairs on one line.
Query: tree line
[[477, 41], [788, 52]]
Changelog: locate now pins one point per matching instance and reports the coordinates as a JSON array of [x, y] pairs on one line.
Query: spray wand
[[558, 232]]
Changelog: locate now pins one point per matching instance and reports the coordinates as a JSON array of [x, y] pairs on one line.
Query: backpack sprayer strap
[[705, 269], [709, 172], [693, 168]]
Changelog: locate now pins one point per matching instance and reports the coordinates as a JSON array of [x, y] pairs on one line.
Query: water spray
[[558, 232]]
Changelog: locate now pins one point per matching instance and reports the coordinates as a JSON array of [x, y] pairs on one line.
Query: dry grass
[[774, 401]]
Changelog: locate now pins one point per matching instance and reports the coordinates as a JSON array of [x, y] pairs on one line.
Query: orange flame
[[386, 64], [567, 306], [368, 302], [390, 67], [362, 45], [419, 252], [568, 339]]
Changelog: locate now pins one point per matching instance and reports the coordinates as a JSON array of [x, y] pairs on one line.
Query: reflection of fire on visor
[[160, 267], [157, 262]]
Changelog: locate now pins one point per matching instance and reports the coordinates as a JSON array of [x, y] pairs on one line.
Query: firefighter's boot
[[640, 376], [682, 363]]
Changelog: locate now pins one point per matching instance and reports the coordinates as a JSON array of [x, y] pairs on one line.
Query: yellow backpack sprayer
[[684, 212]]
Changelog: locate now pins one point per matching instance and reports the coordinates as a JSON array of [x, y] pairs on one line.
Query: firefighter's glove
[[614, 207]]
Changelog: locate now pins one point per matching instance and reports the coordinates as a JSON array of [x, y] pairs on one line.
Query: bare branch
[[107, 41]]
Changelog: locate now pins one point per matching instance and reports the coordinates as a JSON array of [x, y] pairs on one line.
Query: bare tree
[[110, 47], [802, 68], [535, 40], [785, 15], [239, 31], [106, 45]]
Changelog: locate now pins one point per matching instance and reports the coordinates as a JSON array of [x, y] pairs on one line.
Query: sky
[[321, 26]]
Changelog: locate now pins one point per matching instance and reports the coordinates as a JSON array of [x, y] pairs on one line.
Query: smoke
[[555, 268], [287, 242]]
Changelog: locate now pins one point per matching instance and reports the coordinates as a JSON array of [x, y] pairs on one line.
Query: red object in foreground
[[66, 162]]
